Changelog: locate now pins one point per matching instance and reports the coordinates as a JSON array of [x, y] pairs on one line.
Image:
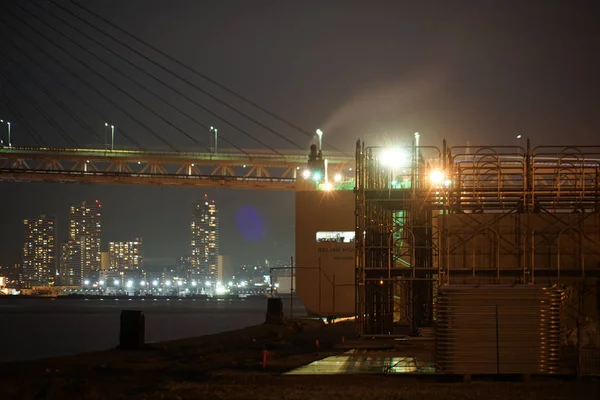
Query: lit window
[[336, 236]]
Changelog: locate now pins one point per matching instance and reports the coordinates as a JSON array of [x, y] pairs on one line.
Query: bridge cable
[[23, 122], [62, 105], [83, 80], [80, 98], [112, 67], [161, 98], [48, 118], [237, 111], [200, 74], [117, 87]]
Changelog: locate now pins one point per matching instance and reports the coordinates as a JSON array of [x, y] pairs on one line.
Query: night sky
[[478, 71]]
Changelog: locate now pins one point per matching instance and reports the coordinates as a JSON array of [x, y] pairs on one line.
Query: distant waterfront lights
[[155, 283], [101, 282], [116, 283], [129, 284], [306, 174], [194, 283], [86, 282], [168, 283], [179, 283], [337, 177], [143, 283], [207, 284]]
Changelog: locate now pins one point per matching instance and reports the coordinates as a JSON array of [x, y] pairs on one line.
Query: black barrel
[[274, 310], [133, 330]]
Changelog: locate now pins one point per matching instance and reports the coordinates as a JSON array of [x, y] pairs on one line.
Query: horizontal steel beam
[[250, 170]]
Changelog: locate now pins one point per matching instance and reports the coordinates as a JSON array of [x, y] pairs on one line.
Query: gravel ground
[[228, 366]]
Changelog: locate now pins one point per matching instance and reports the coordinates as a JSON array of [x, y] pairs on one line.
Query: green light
[[394, 183], [316, 177]]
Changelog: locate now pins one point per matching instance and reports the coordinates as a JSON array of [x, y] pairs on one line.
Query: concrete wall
[[320, 211]]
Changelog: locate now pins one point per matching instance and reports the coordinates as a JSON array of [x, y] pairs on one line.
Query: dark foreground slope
[[228, 366]]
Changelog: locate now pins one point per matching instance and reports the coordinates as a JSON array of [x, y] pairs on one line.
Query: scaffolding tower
[[429, 216]]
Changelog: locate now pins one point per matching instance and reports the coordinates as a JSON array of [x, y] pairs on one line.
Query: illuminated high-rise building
[[204, 242], [126, 255], [73, 268], [39, 251], [85, 227]]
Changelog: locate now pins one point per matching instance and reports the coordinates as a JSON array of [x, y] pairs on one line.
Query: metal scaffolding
[[429, 216]]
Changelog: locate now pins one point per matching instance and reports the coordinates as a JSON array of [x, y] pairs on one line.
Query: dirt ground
[[228, 366]]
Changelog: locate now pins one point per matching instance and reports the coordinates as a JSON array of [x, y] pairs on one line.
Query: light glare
[[437, 176], [394, 157]]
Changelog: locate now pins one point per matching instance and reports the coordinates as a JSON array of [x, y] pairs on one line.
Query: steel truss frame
[[550, 194], [249, 170]]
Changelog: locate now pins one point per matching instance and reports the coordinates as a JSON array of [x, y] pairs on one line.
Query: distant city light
[[129, 284], [101, 282], [86, 282], [193, 283], [155, 283], [316, 177], [207, 283], [143, 283], [179, 283], [116, 283], [220, 290], [306, 174], [337, 177], [328, 186], [168, 283]]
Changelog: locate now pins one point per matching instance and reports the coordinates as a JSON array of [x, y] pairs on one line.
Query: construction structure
[[430, 217]]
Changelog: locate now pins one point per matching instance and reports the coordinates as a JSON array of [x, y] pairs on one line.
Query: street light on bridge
[[320, 135], [1, 140], [215, 130], [112, 135]]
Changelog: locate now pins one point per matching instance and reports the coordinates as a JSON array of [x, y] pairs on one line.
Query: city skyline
[[247, 231]]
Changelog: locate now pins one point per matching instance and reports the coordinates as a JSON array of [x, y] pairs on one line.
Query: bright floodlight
[[86, 282], [437, 177], [193, 283], [221, 290], [319, 132], [129, 284], [143, 283], [306, 174], [394, 157], [116, 282], [337, 177], [101, 282], [155, 283], [316, 177], [168, 283], [207, 283], [328, 186], [179, 283]]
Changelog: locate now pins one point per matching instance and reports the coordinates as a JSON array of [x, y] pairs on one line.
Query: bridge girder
[[232, 170]]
